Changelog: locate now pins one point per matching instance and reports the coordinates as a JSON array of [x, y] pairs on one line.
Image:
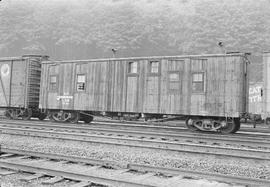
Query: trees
[[90, 29]]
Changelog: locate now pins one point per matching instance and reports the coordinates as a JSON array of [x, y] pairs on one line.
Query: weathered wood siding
[[13, 80], [5, 83], [110, 87]]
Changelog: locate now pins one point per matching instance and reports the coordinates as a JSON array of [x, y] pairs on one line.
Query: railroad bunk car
[[19, 86], [210, 91]]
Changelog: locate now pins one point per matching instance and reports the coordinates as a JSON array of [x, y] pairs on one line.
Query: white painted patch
[[5, 70], [66, 99]]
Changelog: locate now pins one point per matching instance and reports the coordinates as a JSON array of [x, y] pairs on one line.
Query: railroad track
[[179, 126], [107, 173], [144, 143], [181, 123], [248, 142], [135, 125]]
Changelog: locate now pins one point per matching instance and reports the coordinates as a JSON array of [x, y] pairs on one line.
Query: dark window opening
[[132, 67], [198, 82], [81, 82], [154, 67]]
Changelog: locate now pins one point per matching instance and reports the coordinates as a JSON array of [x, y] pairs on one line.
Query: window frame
[[203, 82], [76, 84], [53, 89], [179, 82], [129, 73], [150, 73]]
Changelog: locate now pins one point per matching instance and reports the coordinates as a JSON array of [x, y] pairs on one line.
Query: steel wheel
[[229, 126], [16, 113], [190, 124], [59, 116], [74, 117], [9, 113], [26, 114]]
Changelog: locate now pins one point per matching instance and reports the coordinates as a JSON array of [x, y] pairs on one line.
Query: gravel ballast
[[159, 158]]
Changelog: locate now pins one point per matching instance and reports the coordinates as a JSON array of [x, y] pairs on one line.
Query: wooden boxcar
[[209, 90], [19, 85]]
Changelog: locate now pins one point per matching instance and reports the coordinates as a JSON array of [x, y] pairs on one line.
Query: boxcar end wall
[[20, 85]]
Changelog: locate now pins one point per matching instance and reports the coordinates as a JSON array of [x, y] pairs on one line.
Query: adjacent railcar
[[266, 88], [210, 91], [255, 98], [19, 86], [255, 102]]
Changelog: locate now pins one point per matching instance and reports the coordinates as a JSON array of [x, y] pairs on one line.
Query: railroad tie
[[120, 171], [94, 167], [22, 157], [176, 178], [82, 184], [53, 180], [35, 176], [63, 162], [4, 172], [144, 176], [6, 155]]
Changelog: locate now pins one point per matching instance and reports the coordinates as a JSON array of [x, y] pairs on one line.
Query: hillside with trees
[[81, 29]]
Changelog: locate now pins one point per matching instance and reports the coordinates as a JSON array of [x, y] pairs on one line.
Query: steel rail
[[148, 126], [211, 176], [135, 124], [256, 155], [171, 171], [144, 127], [201, 138], [181, 123], [175, 128]]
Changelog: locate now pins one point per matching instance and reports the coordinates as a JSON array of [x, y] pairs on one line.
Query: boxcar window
[[154, 67], [174, 81], [132, 67], [53, 82], [81, 82], [198, 82]]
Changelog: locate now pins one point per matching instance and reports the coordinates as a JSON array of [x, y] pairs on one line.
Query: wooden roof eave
[[144, 58]]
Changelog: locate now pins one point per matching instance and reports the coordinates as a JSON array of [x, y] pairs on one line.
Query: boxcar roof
[[146, 58], [10, 58], [21, 57]]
